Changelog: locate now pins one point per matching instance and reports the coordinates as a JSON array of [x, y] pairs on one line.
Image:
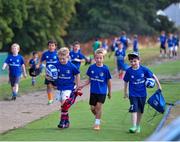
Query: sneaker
[[63, 124], [138, 129], [96, 127], [13, 98], [66, 124], [50, 102], [132, 130]]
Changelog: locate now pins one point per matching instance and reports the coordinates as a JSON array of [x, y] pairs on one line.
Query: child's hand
[[109, 95], [125, 95], [25, 75]]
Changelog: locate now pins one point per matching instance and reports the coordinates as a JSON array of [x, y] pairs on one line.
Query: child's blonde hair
[[15, 45], [63, 51], [100, 51]]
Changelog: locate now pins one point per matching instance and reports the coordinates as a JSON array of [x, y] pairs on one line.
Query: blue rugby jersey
[[66, 76], [175, 41], [15, 65], [76, 55], [50, 57], [170, 42], [33, 62], [135, 45], [99, 77], [124, 40], [162, 39], [120, 54], [136, 79]]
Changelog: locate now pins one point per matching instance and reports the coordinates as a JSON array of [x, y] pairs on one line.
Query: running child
[[15, 63], [163, 40], [50, 57], [33, 71], [119, 59], [135, 44], [76, 56]]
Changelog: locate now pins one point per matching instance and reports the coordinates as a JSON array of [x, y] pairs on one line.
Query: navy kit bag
[[157, 101]]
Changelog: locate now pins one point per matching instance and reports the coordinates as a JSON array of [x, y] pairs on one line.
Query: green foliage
[[32, 23], [105, 18]]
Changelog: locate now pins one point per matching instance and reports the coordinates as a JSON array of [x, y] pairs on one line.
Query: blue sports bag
[[157, 101]]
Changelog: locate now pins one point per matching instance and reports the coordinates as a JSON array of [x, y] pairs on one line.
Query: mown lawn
[[115, 120]]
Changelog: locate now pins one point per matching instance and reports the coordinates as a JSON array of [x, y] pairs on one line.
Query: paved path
[[32, 106]]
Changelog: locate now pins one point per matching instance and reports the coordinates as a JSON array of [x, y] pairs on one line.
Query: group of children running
[[67, 81], [169, 44]]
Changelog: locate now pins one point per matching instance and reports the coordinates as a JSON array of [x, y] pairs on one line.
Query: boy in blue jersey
[[162, 40], [176, 44], [124, 40], [170, 45], [15, 62], [68, 80], [135, 78], [33, 70], [100, 82], [119, 59], [50, 57], [76, 56], [135, 44]]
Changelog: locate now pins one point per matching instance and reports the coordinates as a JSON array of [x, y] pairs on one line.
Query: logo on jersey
[[132, 76], [142, 75], [101, 74], [92, 72], [68, 71]]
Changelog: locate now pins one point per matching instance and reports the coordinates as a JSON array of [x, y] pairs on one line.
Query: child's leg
[[66, 102], [33, 80], [93, 110], [134, 119], [139, 115], [98, 111], [49, 93]]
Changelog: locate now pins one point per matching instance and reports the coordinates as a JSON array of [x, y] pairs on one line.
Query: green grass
[[168, 68], [115, 122], [115, 119], [25, 87]]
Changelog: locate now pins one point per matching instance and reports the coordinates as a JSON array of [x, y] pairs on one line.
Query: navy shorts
[[137, 104], [94, 98], [14, 80], [49, 82], [163, 46]]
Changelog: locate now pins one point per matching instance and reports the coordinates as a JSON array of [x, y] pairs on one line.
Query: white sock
[[97, 122]]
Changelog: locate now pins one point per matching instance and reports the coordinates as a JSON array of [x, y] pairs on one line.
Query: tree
[[33, 23], [105, 18]]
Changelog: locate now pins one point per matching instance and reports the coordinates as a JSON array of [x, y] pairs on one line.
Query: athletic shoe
[[132, 130], [138, 129], [67, 124], [96, 127], [50, 102], [63, 124]]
